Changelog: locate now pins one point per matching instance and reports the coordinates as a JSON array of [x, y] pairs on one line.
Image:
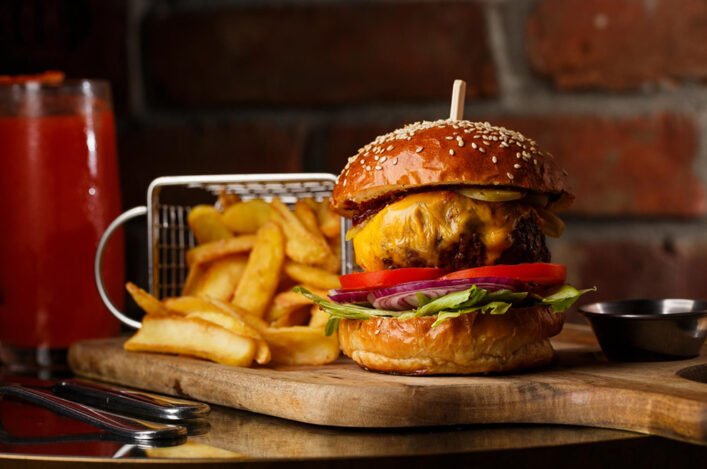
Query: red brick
[[318, 53], [624, 166], [657, 268], [84, 39], [204, 147], [618, 45], [641, 166]]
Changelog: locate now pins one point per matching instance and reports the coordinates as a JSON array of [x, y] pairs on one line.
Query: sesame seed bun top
[[444, 153]]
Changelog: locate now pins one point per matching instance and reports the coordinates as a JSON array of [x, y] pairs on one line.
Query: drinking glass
[[59, 190]]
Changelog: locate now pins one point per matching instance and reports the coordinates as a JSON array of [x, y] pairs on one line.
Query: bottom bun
[[471, 343]]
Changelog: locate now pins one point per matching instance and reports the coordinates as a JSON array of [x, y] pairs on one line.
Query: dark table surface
[[34, 437]]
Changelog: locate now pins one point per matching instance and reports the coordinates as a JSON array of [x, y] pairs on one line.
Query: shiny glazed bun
[[446, 153], [470, 343]]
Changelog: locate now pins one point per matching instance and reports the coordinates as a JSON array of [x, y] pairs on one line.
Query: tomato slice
[[537, 272], [387, 278]]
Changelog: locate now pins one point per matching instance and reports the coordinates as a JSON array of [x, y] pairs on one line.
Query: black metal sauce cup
[[649, 330]]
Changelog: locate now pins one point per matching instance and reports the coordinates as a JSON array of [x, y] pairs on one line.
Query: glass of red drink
[[59, 190]]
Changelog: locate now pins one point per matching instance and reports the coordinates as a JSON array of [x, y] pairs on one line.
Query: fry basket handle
[[98, 263]]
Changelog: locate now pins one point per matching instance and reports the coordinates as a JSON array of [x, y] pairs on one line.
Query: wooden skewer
[[458, 94]]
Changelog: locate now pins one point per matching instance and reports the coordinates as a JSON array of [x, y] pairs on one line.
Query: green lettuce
[[451, 305]]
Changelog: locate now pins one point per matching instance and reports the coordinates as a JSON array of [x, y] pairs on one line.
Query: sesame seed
[[376, 157], [390, 147], [460, 142], [451, 152], [510, 176], [449, 137], [345, 181], [494, 159], [518, 155], [378, 167], [368, 168], [419, 149], [382, 160], [535, 162], [481, 149], [395, 161], [516, 166], [474, 146]]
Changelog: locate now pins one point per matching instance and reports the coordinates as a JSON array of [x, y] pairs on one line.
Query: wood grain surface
[[581, 388]]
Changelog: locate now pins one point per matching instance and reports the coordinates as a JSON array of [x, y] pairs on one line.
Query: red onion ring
[[404, 296]]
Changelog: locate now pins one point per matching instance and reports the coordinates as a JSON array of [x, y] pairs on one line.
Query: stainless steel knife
[[123, 426]]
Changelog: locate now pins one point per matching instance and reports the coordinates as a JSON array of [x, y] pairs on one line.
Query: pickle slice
[[551, 224], [491, 195]]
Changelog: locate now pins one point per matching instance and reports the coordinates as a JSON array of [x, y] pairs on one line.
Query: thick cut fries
[[224, 247], [192, 450], [301, 345], [192, 336], [224, 315], [305, 213], [319, 317], [205, 222], [146, 302], [218, 279], [262, 273], [329, 221], [313, 276], [247, 217], [302, 245], [288, 310], [230, 312]]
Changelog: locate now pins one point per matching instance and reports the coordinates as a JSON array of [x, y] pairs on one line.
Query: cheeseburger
[[449, 226]]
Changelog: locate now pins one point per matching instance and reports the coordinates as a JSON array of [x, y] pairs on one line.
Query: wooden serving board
[[581, 388]]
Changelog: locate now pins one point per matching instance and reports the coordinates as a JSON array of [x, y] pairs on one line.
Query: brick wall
[[615, 88]]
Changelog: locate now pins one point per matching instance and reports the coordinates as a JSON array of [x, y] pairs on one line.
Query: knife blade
[[123, 426], [129, 401]]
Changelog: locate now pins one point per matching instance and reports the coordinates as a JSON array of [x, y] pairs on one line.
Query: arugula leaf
[[450, 301], [344, 310], [495, 307], [449, 306], [422, 299], [331, 325], [562, 299], [506, 295]]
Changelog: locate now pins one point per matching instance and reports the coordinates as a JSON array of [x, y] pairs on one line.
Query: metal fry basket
[[169, 200]]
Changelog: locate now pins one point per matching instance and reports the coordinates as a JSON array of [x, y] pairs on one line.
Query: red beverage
[[58, 192]]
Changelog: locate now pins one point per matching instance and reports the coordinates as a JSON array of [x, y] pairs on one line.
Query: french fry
[[302, 246], [304, 212], [329, 221], [250, 326], [262, 273], [289, 309], [189, 305], [301, 345], [253, 321], [262, 351], [247, 217], [147, 302], [318, 318], [205, 222], [192, 336], [226, 200], [193, 278], [308, 275], [224, 247], [219, 278], [192, 450]]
